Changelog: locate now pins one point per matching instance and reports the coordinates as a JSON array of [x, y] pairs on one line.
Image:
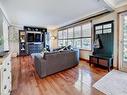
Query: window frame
[[103, 28], [86, 37], [81, 37]]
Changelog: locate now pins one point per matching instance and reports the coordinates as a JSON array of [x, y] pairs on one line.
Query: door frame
[[120, 37]]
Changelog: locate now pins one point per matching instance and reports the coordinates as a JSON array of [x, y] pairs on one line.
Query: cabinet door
[[6, 77], [4, 80], [0, 80], [103, 62], [8, 65], [93, 60]]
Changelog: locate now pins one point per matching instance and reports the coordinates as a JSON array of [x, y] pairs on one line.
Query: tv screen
[[30, 37], [37, 37]]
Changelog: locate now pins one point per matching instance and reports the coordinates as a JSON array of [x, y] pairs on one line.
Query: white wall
[[53, 41], [14, 39]]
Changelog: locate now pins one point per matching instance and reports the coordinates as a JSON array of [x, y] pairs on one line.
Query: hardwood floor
[[75, 81]]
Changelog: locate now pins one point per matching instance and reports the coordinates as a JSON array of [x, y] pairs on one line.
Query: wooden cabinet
[[5, 76], [105, 61]]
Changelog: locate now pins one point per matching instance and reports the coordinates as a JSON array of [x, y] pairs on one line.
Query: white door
[[123, 42]]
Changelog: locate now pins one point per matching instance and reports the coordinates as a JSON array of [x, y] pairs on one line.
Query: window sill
[[85, 50]]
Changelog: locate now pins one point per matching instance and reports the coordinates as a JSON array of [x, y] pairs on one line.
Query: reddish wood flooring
[[75, 81]]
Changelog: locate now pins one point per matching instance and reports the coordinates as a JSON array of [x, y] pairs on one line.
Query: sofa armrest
[[40, 65]]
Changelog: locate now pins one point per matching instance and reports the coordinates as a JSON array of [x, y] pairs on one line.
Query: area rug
[[114, 83]]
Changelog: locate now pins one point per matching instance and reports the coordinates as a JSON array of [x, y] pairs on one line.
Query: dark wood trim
[[86, 60]]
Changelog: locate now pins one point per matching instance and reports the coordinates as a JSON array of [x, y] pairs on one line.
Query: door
[[123, 42]]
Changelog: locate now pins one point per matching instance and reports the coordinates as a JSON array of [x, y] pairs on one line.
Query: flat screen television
[[37, 37], [34, 37], [30, 37]]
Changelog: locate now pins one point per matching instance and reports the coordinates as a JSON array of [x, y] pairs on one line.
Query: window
[[77, 37], [86, 36], [77, 43], [86, 30], [60, 35], [65, 34], [70, 42], [60, 43], [86, 43], [107, 28], [77, 32], [65, 43], [103, 28], [98, 29], [70, 33]]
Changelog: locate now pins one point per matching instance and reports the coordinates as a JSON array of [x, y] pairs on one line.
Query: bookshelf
[[22, 42]]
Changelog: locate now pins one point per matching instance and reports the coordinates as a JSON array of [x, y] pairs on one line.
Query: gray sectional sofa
[[54, 62]]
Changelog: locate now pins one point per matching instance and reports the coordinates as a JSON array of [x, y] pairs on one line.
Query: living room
[[63, 47]]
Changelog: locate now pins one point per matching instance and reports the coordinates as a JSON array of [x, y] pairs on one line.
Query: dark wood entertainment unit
[[32, 40]]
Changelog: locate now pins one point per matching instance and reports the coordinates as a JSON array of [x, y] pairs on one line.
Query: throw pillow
[[42, 54]]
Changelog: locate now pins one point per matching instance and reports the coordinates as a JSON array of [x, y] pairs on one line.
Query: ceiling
[[50, 13], [116, 3], [119, 1]]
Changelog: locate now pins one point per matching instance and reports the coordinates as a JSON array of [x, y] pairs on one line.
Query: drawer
[[103, 62], [7, 93], [93, 60], [9, 79], [8, 63], [5, 87], [6, 82], [7, 66]]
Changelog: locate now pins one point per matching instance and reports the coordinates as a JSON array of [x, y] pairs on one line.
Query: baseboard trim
[[85, 60]]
